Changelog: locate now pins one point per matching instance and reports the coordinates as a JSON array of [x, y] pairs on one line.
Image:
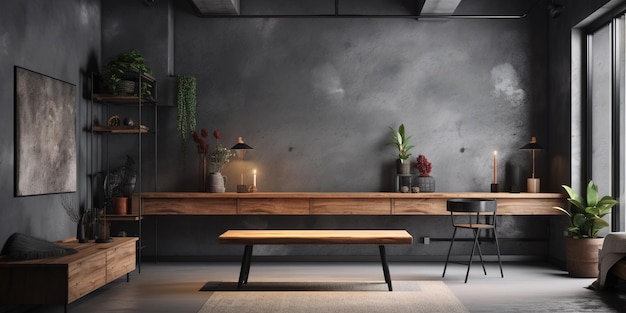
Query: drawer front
[[274, 206], [351, 206], [420, 206], [190, 206], [86, 275], [121, 260]]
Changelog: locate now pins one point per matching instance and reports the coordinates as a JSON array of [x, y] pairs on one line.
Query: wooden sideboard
[[337, 203], [64, 279]]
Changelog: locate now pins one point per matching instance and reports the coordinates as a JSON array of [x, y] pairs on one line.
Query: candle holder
[[494, 188]]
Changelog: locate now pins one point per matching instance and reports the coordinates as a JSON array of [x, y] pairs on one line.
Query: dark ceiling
[[369, 8]]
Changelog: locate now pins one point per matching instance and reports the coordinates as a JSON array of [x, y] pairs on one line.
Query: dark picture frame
[[45, 134]]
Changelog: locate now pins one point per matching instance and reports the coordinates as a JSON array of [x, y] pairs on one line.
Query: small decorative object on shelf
[[401, 143], [425, 182]]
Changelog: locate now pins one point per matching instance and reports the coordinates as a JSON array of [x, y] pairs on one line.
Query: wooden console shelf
[[62, 280], [338, 203]]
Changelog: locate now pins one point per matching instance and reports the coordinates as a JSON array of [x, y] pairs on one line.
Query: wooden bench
[[249, 238], [64, 279]]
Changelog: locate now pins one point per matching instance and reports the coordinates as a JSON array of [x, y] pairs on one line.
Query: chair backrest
[[471, 205]]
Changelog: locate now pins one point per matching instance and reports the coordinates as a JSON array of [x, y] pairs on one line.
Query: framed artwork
[[45, 134]]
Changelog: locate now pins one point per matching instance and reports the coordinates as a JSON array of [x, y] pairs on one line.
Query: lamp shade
[[240, 145], [532, 145]]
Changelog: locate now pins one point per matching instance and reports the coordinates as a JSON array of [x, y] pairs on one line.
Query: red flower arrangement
[[423, 166], [219, 156], [201, 143]]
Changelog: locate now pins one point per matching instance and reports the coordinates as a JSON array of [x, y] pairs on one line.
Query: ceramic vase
[[216, 182], [403, 167]]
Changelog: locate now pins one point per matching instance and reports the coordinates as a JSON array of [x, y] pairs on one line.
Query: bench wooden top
[[309, 236]]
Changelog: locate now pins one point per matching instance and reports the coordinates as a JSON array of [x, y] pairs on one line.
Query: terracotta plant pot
[[120, 205], [582, 256]]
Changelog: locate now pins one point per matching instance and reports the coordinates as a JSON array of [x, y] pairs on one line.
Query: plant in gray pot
[[401, 143], [116, 72], [425, 182], [586, 217]]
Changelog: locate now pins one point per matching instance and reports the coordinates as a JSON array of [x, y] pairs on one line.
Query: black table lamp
[[532, 183], [240, 147]]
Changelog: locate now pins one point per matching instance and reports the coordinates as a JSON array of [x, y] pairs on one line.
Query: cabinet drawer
[[86, 275], [274, 206], [120, 261], [351, 206]]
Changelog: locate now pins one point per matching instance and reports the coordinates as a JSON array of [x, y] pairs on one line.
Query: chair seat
[[474, 226]]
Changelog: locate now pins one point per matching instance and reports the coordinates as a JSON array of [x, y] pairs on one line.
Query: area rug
[[407, 297]]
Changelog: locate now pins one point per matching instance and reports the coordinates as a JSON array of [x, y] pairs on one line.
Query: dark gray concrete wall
[[60, 39], [316, 98]]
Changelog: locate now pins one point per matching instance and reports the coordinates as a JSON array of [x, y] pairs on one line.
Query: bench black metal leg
[[383, 260], [245, 266]]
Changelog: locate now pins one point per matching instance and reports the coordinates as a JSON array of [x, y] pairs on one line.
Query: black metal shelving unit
[[100, 168]]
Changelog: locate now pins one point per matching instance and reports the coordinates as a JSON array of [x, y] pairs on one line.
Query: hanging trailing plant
[[186, 101]]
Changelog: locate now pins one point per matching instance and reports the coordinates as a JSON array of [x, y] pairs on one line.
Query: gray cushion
[[25, 247]]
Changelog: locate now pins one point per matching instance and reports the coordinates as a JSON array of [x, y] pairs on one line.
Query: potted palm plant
[[586, 217], [401, 143]]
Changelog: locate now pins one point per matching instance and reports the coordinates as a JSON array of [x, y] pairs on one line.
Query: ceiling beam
[[228, 7]]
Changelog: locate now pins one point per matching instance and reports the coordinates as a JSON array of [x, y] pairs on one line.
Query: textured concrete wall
[[316, 98], [60, 39]]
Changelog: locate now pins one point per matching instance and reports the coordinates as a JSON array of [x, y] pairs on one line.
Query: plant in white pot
[[586, 217], [401, 143]]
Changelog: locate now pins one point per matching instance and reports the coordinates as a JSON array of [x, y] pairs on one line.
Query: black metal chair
[[466, 214]]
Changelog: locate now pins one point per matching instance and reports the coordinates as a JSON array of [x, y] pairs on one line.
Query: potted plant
[[401, 143], [117, 69], [121, 184], [583, 243], [186, 105], [425, 182]]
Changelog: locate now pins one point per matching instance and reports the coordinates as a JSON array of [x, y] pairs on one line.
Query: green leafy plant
[[401, 142], [586, 212], [121, 65], [186, 104]]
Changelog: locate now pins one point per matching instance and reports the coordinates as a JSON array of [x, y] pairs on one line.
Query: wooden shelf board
[[120, 129]]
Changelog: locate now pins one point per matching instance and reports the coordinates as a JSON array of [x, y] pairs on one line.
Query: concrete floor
[[175, 287]]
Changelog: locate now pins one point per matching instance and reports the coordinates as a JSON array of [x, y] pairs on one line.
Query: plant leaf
[[592, 194]]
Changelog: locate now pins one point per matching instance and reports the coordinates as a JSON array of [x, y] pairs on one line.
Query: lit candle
[[495, 167], [254, 177]]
